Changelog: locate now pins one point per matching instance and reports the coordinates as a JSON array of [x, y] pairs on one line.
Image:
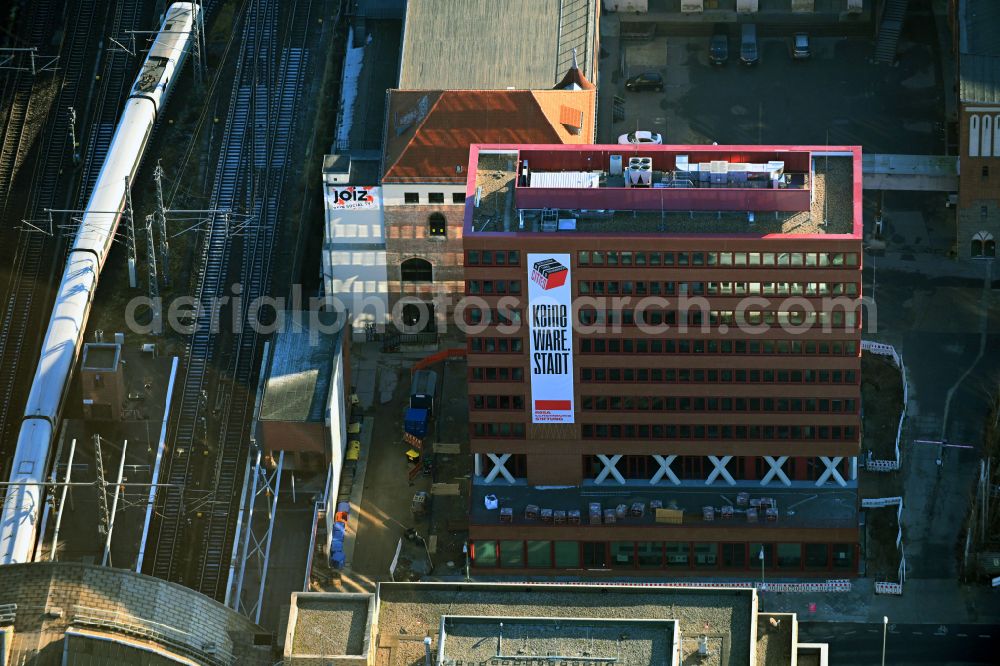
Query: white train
[[64, 337]]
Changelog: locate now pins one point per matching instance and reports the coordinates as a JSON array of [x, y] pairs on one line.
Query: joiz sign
[[354, 196], [550, 311]]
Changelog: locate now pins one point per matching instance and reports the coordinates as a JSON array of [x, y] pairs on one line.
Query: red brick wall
[[407, 235]]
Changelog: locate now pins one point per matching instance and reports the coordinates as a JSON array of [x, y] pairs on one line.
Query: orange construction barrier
[[437, 357]]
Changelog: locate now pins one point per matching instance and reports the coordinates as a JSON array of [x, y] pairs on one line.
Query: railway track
[[33, 256], [118, 71], [250, 175], [17, 93]]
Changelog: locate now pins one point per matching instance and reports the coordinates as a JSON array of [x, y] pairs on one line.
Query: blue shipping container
[[415, 422]]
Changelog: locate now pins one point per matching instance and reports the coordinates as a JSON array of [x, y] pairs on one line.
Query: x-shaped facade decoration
[[831, 471], [664, 471], [499, 467], [775, 471], [720, 463], [610, 468]]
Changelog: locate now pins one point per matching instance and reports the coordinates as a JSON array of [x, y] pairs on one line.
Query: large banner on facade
[[352, 197], [550, 315]]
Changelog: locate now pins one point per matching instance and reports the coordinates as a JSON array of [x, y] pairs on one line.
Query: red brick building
[[423, 183], [664, 356]]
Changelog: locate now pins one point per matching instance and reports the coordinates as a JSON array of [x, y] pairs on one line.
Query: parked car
[[748, 45], [645, 81], [718, 47], [800, 46], [640, 137]]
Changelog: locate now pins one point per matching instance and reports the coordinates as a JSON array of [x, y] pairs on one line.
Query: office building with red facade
[[664, 357]]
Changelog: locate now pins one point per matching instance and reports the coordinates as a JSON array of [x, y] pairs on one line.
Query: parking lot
[[836, 96]]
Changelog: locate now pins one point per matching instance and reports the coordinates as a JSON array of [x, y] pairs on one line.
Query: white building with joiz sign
[[354, 260]]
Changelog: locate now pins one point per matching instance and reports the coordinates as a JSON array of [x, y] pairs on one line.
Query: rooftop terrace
[[728, 190], [808, 506]]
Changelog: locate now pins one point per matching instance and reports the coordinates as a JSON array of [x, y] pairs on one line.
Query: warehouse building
[[664, 356]]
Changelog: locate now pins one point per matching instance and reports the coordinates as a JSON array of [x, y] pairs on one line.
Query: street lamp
[[885, 626]]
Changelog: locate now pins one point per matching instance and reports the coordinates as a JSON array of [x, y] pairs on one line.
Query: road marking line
[[872, 631], [962, 635], [918, 633], [849, 633], [984, 635]]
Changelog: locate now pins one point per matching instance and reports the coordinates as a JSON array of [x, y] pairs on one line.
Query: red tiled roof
[[432, 147]]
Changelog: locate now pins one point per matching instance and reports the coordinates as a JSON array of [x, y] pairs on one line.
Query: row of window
[[669, 288], [671, 346], [712, 375], [594, 403], [670, 431], [591, 403], [515, 345], [648, 317], [498, 430], [503, 374], [504, 345], [718, 432], [433, 197], [496, 401], [674, 555], [718, 259], [490, 287], [493, 258], [494, 316]]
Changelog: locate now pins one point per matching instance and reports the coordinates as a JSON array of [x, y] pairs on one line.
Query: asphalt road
[[860, 644]]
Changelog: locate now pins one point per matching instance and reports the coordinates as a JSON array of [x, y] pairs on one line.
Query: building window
[[595, 554], [734, 555], [789, 555], [411, 197], [974, 136], [540, 554], [416, 270], [755, 551], [458, 197], [678, 554], [843, 555], [650, 554], [623, 554], [817, 555], [983, 245], [706, 555], [567, 554], [435, 197], [986, 172], [484, 553], [437, 225], [512, 554]]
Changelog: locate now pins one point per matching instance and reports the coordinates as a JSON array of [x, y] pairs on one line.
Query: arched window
[[996, 136], [974, 135], [437, 225], [986, 145], [416, 270], [984, 245]]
